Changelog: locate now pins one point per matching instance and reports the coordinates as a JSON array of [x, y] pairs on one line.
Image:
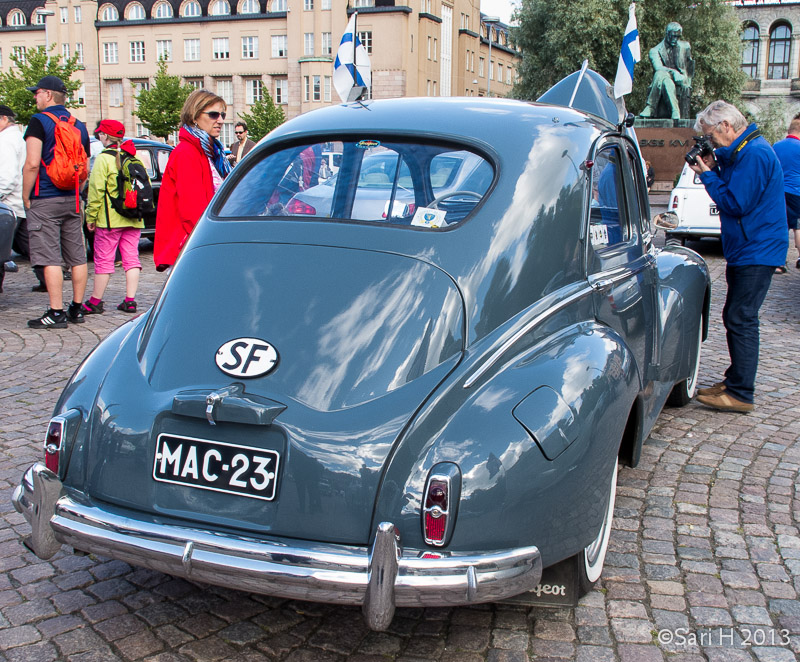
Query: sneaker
[[75, 313], [41, 287], [797, 264], [92, 309], [52, 319], [127, 307], [718, 388], [11, 267], [725, 402]]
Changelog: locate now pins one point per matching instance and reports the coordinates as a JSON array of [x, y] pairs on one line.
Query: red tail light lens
[[674, 203], [52, 445], [437, 510], [301, 208]]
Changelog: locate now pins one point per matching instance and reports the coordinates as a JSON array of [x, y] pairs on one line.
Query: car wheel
[[589, 562], [683, 392]]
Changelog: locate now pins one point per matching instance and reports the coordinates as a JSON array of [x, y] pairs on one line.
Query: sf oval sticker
[[246, 357]]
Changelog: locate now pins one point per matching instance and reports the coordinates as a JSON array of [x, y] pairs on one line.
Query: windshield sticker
[[426, 217], [366, 144], [599, 235]]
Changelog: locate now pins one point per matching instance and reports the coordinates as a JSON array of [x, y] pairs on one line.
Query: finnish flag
[[629, 54], [352, 73]]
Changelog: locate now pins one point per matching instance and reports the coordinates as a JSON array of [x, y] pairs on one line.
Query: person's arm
[[745, 191], [30, 171], [189, 191], [98, 179], [8, 176]]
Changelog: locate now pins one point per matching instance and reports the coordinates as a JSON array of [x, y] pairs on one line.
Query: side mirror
[[666, 221]]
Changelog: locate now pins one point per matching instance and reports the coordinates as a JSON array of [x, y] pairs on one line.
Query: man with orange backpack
[[56, 165]]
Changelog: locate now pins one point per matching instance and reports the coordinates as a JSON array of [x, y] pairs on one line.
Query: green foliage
[[26, 74], [159, 108], [557, 35], [773, 121], [264, 116]]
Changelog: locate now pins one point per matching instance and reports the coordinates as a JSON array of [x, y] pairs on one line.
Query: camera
[[702, 148]]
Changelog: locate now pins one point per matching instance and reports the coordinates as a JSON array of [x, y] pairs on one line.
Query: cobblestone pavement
[[704, 562]]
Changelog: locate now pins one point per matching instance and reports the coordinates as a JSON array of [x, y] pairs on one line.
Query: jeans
[[747, 289]]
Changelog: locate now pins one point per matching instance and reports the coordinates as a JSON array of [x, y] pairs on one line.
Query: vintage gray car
[[426, 406]]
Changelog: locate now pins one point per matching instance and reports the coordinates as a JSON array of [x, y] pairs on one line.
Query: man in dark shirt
[[54, 223], [242, 145]]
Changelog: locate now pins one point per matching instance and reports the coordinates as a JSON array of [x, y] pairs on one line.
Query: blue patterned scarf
[[213, 149]]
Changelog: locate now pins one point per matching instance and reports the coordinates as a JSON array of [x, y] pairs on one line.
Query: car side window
[[639, 207], [608, 222], [147, 161], [162, 157]]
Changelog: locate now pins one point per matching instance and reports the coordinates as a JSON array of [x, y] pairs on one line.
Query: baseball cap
[[111, 128], [53, 83], [5, 111]]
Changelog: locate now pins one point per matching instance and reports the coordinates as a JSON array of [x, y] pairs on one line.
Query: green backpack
[[134, 198]]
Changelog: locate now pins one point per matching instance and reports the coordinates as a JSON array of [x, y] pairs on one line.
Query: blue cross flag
[[352, 74], [629, 54]]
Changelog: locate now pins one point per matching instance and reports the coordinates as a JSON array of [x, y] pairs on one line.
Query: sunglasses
[[214, 114], [238, 133]]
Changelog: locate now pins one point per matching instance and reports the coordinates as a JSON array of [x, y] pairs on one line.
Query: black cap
[[53, 83], [5, 111]]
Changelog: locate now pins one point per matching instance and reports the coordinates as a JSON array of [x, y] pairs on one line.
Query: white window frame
[[220, 48], [63, 14], [325, 5], [249, 7], [279, 5], [225, 90], [191, 50], [250, 48], [110, 52], [308, 43], [16, 18], [65, 51], [162, 10], [138, 10], [137, 51], [308, 5], [281, 91], [253, 90], [220, 8], [115, 94], [79, 52], [327, 44], [191, 9], [280, 45], [164, 50], [78, 14], [365, 37]]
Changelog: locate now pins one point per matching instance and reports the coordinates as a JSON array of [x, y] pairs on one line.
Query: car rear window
[[368, 180]]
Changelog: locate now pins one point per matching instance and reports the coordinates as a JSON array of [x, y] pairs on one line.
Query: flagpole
[[355, 62]]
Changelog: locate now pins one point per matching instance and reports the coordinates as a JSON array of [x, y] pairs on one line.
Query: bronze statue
[[671, 89]]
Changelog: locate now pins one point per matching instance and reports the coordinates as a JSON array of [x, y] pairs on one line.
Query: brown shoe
[[725, 402], [718, 388]]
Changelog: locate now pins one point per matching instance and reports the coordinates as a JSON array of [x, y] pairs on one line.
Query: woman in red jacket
[[195, 169]]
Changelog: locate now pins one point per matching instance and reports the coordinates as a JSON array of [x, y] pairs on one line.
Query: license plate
[[217, 466], [713, 210]]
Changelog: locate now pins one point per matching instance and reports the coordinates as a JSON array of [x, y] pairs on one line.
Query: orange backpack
[[69, 166]]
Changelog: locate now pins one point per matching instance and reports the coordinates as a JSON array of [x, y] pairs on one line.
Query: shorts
[[792, 210], [55, 232], [106, 241]]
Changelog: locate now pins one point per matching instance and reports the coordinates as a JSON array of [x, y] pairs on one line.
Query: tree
[[557, 35], [159, 108], [28, 71], [264, 116]]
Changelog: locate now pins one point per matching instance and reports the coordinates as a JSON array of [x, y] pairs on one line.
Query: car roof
[[144, 142]]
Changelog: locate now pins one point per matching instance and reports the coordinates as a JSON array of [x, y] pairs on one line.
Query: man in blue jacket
[[746, 183]]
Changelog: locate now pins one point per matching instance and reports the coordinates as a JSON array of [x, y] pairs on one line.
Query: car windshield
[[387, 182]]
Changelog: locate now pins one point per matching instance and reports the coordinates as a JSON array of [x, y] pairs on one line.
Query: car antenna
[[584, 67]]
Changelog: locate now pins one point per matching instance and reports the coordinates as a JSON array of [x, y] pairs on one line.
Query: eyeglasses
[[214, 114], [238, 133]]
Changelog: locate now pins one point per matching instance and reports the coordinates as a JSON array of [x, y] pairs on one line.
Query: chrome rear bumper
[[379, 578]]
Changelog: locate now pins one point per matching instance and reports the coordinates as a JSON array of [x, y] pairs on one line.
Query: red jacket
[[186, 190]]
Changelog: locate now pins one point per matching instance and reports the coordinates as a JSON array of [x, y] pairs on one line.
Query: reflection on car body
[[415, 398]]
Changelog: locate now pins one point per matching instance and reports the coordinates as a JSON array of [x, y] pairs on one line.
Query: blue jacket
[[747, 186]]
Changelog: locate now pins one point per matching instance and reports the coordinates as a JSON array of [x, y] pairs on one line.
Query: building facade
[[242, 49]]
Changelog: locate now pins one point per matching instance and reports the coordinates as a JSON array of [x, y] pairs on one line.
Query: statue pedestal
[[664, 143]]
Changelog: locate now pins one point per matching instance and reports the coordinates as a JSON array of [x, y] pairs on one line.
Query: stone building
[[241, 49]]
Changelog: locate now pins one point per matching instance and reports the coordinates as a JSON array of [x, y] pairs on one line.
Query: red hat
[[111, 128], [128, 147]]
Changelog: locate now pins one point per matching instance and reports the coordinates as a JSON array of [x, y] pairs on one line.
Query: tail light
[[674, 204], [52, 444], [442, 492], [299, 207]]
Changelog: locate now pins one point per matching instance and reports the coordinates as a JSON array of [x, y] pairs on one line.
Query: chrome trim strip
[[521, 332], [379, 578]]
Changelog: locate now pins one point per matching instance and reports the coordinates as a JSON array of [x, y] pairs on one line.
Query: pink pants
[[106, 241]]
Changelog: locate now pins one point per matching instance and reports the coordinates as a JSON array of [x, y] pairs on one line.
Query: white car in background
[[697, 215]]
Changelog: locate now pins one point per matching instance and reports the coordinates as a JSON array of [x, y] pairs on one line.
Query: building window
[[435, 49], [430, 45], [162, 10], [138, 86], [135, 12], [279, 45], [220, 8], [78, 14], [326, 90], [191, 9], [249, 48], [225, 90], [191, 50], [110, 53], [780, 40], [65, 51], [363, 3], [249, 7], [137, 51], [108, 13], [308, 5], [325, 5], [253, 91], [164, 49], [308, 43], [115, 94], [750, 50], [195, 83], [508, 76], [279, 5], [281, 90], [226, 135], [80, 95], [16, 18], [79, 52], [19, 52], [63, 13], [220, 48], [327, 43], [141, 130], [480, 67], [39, 18], [313, 88], [366, 40]]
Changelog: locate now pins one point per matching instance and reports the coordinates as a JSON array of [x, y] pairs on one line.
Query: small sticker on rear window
[[366, 144]]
